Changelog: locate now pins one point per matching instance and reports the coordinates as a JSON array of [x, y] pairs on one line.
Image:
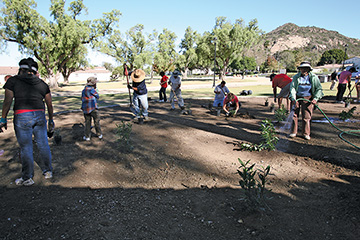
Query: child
[[89, 106]]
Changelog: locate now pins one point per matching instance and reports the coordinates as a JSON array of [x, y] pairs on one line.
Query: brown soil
[[180, 181]]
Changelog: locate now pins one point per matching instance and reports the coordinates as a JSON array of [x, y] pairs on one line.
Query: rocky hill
[[311, 39]]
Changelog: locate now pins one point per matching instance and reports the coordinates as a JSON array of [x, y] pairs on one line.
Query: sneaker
[[307, 137], [161, 100], [86, 138], [100, 136], [48, 175], [292, 135], [146, 118], [136, 117], [172, 109], [20, 181], [342, 102]]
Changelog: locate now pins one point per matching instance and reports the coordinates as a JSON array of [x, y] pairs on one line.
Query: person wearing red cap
[[282, 81]]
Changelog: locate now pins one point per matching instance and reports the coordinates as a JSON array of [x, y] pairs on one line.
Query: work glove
[[51, 128], [227, 114], [129, 87], [3, 124]]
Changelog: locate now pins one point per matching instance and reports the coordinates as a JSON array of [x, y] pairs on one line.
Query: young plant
[[344, 115], [123, 132], [253, 181], [280, 114], [268, 133]]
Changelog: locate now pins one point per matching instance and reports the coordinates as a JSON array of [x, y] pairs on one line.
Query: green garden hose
[[350, 132]]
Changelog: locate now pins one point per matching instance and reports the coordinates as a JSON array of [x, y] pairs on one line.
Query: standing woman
[[305, 85], [29, 92]]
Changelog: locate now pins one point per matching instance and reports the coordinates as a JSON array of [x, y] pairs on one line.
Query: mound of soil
[[179, 180]]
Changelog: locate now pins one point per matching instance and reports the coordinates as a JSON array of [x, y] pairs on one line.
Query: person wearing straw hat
[[175, 82], [140, 93], [89, 97], [304, 85]]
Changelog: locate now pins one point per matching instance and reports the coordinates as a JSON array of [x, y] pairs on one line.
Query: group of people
[[31, 94], [304, 90]]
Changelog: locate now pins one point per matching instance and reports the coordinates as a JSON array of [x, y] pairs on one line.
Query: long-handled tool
[[128, 83]]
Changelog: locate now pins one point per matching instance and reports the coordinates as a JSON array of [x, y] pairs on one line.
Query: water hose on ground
[[350, 132]]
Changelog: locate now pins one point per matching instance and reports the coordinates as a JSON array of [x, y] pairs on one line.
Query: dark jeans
[[341, 91], [96, 116], [26, 125], [162, 94]]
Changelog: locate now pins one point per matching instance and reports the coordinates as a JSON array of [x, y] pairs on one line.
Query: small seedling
[[344, 115], [280, 114], [268, 134], [123, 132], [253, 181]]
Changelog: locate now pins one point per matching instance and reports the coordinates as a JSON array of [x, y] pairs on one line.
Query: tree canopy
[[230, 39], [54, 43], [332, 56]]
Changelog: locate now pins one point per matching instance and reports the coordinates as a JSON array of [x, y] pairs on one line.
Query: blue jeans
[[144, 103], [26, 125]]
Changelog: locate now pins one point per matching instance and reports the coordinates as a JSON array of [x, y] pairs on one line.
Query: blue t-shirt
[[304, 87]]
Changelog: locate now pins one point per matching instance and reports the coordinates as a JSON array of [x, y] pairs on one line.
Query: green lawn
[[73, 103]]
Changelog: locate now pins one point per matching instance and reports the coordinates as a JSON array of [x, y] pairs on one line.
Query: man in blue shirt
[[140, 93]]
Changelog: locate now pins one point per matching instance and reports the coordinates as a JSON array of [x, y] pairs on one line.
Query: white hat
[[305, 65]]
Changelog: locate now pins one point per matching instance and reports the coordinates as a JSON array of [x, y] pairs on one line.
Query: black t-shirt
[[29, 91]]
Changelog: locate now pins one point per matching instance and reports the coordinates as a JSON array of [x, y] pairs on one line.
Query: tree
[[77, 62], [53, 43], [245, 63], [189, 57], [332, 56], [231, 41], [165, 55], [133, 49]]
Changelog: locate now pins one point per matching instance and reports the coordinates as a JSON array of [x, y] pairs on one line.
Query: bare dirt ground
[[181, 182]]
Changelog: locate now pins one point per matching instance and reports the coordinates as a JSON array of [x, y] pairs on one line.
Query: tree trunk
[[185, 73], [53, 80]]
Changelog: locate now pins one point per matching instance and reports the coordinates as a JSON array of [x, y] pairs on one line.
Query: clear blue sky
[[200, 15]]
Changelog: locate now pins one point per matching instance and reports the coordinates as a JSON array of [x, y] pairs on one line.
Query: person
[[334, 78], [89, 97], [230, 102], [272, 75], [344, 78], [163, 84], [175, 83], [140, 94], [282, 81], [304, 85], [220, 92], [29, 93], [357, 86]]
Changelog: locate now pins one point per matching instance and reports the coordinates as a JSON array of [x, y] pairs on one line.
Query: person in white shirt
[[220, 92], [175, 82]]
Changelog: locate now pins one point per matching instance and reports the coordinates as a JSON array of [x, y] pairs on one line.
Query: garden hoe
[[128, 83]]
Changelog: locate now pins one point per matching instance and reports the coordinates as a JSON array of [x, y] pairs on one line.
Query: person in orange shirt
[[163, 84], [282, 81]]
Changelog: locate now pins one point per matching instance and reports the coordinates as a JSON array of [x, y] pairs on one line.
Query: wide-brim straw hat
[[138, 75], [305, 65], [91, 81]]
